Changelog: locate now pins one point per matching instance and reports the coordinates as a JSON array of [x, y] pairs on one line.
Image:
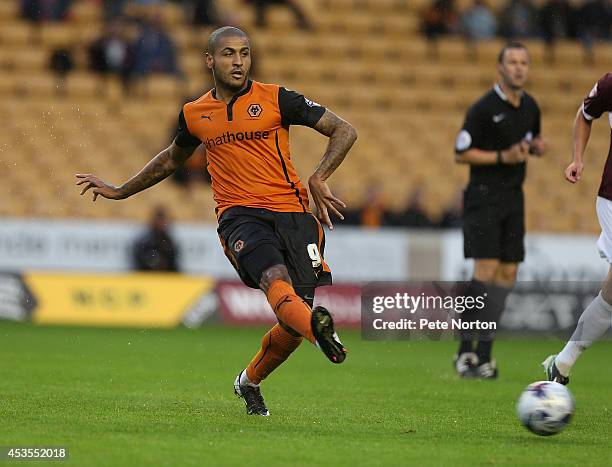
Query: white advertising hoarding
[[549, 257], [94, 246], [354, 255]]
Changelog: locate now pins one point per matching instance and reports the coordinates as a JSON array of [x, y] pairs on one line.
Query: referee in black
[[500, 131]]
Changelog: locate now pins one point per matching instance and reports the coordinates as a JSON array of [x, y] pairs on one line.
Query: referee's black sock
[[474, 288], [492, 313], [483, 349], [465, 346]]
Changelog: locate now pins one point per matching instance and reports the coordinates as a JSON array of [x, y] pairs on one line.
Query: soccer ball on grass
[[545, 407]]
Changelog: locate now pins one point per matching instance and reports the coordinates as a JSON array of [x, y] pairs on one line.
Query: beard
[[229, 83], [513, 84]]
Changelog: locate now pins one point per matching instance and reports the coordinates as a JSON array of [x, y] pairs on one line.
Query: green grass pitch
[[142, 397]]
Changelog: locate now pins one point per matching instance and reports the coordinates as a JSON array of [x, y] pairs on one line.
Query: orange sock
[[291, 309], [276, 346]]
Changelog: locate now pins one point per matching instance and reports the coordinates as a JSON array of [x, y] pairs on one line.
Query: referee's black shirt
[[494, 124]]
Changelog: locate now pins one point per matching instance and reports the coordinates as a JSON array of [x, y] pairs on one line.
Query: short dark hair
[[509, 46], [225, 31]]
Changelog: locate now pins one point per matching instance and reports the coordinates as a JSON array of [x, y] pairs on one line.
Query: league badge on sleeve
[[464, 140], [310, 103]]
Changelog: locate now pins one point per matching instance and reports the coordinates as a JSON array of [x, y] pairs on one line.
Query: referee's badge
[[464, 140]]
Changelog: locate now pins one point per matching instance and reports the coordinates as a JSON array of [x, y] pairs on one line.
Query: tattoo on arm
[[341, 135], [158, 168]]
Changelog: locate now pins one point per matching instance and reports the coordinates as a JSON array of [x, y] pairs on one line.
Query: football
[[545, 408]]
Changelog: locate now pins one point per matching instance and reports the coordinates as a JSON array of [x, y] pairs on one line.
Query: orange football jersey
[[247, 145]]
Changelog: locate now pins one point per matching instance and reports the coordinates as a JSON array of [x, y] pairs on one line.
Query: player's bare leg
[[486, 270], [592, 325]]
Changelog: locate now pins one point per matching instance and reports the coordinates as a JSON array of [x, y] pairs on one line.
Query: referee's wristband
[[499, 158]]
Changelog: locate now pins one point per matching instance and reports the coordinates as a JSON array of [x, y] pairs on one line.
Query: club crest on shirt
[[254, 110]]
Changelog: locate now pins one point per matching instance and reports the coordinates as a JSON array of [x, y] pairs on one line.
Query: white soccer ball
[[545, 407]]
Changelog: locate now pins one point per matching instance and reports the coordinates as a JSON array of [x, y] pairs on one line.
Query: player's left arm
[[295, 109], [342, 135]]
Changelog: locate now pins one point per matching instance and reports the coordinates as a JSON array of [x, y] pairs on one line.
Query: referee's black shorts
[[494, 223], [255, 239]]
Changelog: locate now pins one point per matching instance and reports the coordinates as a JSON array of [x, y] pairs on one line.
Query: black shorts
[[494, 224], [255, 239]]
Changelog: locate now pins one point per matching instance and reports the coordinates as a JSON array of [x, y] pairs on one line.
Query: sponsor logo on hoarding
[[239, 304], [139, 300]]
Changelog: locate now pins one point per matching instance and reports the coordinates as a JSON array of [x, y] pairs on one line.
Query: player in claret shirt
[[597, 317], [266, 227]]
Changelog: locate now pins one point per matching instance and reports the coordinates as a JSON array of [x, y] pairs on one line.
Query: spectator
[[147, 3], [113, 9], [607, 32], [594, 19], [553, 21], [61, 63], [33, 10], [478, 22], [111, 53], [261, 8], [517, 20], [39, 10], [440, 18], [373, 213], [414, 214], [156, 250], [60, 9], [154, 50], [108, 53], [205, 13]]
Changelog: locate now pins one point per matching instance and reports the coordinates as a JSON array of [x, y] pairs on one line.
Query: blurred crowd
[[375, 212], [134, 41], [549, 20], [197, 12]]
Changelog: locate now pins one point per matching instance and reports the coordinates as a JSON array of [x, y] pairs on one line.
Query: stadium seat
[[364, 59]]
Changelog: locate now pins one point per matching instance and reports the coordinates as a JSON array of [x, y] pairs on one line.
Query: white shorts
[[604, 214]]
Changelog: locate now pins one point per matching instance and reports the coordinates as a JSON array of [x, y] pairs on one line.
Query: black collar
[[502, 95], [236, 96]]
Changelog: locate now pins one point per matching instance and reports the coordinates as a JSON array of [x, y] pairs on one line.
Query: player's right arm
[[470, 137], [596, 103], [158, 168]]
